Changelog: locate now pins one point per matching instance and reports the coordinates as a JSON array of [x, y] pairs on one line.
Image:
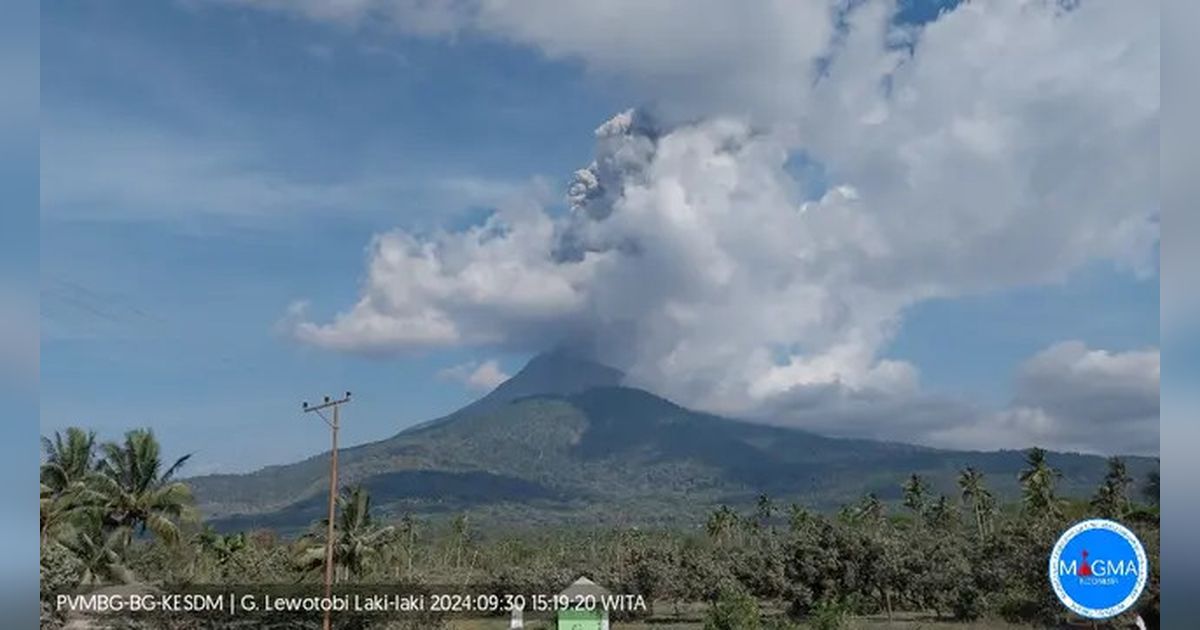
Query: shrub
[[829, 614], [59, 569], [734, 609]]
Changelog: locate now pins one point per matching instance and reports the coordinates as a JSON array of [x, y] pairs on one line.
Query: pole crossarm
[[327, 403]]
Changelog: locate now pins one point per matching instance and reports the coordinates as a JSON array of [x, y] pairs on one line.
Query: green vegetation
[[113, 513], [92, 507], [613, 456], [358, 539], [735, 609], [561, 445]]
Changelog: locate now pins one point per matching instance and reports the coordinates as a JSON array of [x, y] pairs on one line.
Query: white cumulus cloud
[[481, 376], [1005, 144], [1072, 397]]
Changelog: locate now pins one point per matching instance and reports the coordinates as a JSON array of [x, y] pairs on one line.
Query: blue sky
[[168, 322], [206, 166]]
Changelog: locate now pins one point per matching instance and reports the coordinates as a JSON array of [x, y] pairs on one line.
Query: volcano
[[563, 441]]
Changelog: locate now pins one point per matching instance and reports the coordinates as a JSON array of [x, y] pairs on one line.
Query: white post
[[517, 622]]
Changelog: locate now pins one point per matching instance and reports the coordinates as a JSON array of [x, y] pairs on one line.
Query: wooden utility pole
[[333, 454]]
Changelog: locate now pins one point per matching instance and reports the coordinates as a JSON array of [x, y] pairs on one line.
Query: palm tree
[[137, 494], [70, 459], [1037, 482], [914, 493], [1152, 488], [357, 537], [721, 523], [870, 510], [408, 536], [976, 495], [940, 515], [57, 511], [764, 511], [68, 475], [1112, 497], [361, 536], [462, 537], [100, 553]]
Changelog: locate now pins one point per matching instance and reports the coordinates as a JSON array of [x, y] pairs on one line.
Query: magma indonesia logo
[[1098, 568]]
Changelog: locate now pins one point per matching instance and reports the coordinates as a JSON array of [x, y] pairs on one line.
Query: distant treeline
[[114, 513]]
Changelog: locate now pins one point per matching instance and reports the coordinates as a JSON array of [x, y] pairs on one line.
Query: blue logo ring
[[1107, 586]]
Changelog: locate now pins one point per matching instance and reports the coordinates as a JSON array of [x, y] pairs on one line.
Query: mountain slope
[[273, 487], [555, 373], [593, 452]]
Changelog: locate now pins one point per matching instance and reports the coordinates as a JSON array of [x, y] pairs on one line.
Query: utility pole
[[333, 454]]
